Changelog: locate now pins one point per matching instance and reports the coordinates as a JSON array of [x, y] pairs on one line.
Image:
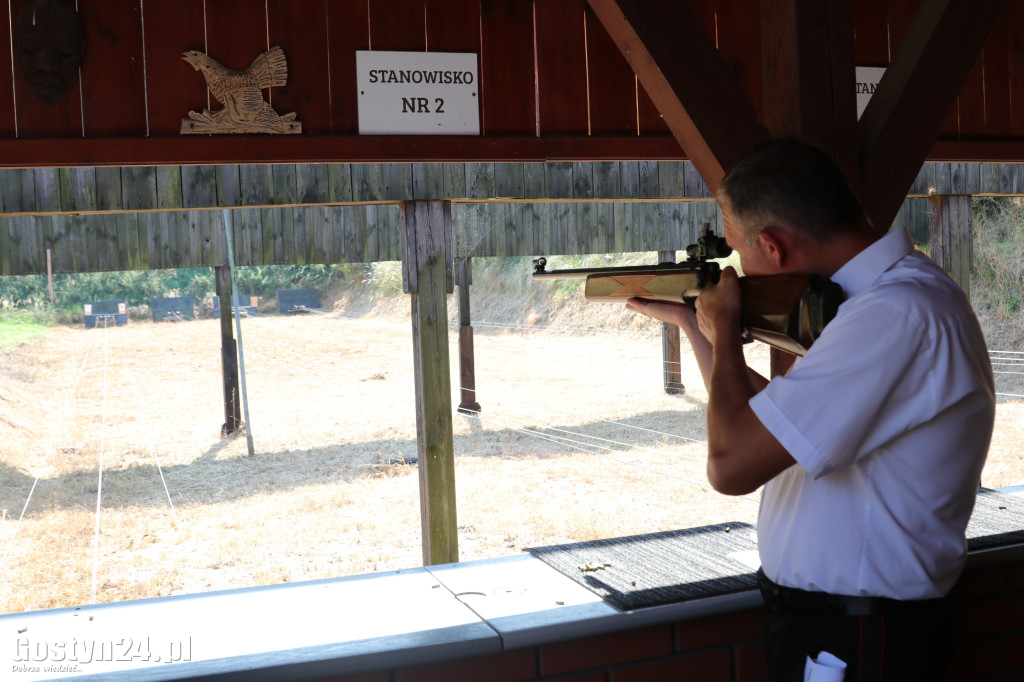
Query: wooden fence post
[[670, 355], [427, 276], [952, 236], [228, 352], [467, 362]]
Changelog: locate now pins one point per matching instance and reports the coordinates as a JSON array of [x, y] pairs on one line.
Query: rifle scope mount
[[709, 245]]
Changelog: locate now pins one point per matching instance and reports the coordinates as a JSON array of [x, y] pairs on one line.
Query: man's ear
[[773, 245]]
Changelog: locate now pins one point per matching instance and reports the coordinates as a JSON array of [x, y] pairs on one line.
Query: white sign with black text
[[417, 93], [867, 80]]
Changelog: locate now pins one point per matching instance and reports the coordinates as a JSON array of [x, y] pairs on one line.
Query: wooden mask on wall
[[49, 43]]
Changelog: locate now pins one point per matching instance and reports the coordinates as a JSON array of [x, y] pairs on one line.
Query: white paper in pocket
[[824, 668]]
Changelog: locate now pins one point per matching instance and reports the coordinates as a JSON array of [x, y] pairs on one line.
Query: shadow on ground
[[208, 480]]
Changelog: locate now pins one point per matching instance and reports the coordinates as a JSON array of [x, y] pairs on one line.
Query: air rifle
[[785, 311]]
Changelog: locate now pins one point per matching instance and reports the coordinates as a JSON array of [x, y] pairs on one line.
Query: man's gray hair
[[792, 181]]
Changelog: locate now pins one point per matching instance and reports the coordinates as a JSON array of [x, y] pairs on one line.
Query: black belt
[[824, 604]]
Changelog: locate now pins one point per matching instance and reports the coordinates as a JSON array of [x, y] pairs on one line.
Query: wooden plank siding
[[300, 27], [561, 67], [506, 66], [356, 233], [114, 89], [181, 25], [347, 26], [548, 73], [147, 188]]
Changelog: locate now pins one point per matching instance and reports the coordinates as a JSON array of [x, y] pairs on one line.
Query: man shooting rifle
[[869, 448]]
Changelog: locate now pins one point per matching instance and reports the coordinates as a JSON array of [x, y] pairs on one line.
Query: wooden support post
[[228, 352], [427, 276], [671, 360], [952, 236], [467, 362]]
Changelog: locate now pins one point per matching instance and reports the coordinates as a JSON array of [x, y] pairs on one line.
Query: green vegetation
[[137, 288], [997, 286], [997, 282], [18, 327]]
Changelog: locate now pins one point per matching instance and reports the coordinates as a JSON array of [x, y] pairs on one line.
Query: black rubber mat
[[680, 565], [997, 521], [658, 568]]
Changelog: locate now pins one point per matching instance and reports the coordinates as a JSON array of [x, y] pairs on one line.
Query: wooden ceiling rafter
[[808, 67], [151, 88], [706, 110], [795, 34], [914, 97]]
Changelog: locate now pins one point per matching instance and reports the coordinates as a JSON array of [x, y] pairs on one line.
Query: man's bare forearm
[[701, 347], [729, 418], [680, 315]]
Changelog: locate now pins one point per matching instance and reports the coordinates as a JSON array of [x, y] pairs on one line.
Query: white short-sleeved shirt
[[889, 417]]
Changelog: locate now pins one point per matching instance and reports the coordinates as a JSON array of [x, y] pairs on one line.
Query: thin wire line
[[267, 318], [576, 330], [99, 485], [599, 439], [503, 325], [500, 221], [580, 446], [1010, 395], [14, 90], [174, 512], [133, 391], [550, 437], [307, 372], [217, 478], [281, 363], [46, 455], [578, 413], [607, 421], [145, 75]]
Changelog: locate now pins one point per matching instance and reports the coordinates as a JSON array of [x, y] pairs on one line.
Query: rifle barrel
[[583, 273]]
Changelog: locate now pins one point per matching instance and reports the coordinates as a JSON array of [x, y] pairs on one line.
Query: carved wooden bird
[[241, 92]]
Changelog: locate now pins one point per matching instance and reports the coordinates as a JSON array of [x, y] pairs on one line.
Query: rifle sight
[[709, 245]]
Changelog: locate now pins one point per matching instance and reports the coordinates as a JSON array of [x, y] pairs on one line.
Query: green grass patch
[[18, 328]]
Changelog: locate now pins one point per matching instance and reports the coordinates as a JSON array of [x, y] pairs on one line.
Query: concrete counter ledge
[[512, 618]]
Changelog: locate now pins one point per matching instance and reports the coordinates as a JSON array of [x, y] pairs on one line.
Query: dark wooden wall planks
[[356, 234], [336, 234], [162, 188], [146, 217], [547, 70]]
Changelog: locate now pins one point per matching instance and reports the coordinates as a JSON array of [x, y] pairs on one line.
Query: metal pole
[[467, 363], [49, 274], [670, 353], [226, 214]]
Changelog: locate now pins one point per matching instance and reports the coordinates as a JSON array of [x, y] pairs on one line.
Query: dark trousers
[[885, 640]]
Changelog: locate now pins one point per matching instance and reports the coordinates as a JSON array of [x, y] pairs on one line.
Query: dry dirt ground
[[115, 482]]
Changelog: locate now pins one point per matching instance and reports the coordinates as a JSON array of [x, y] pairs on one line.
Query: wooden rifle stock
[[787, 312]]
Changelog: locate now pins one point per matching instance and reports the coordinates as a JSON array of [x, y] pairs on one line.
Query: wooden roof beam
[[809, 75], [686, 78], [914, 97]]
